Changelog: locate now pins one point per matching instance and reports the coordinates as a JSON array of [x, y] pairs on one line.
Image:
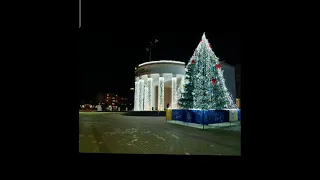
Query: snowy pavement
[[234, 126], [115, 133]]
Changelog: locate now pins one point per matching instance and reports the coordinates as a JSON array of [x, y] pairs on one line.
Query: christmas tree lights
[[221, 96], [186, 100], [205, 82]]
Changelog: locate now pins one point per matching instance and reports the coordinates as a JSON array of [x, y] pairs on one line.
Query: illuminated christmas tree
[[208, 85], [203, 86], [221, 97], [186, 99]]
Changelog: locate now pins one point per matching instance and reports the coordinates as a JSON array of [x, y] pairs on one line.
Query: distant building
[[114, 101]]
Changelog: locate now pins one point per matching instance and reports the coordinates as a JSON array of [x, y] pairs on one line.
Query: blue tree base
[[205, 116]]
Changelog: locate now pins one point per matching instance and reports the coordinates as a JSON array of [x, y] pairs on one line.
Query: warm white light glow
[[174, 93], [149, 94], [238, 102], [162, 61], [141, 94], [161, 94], [180, 90], [136, 96], [145, 98]]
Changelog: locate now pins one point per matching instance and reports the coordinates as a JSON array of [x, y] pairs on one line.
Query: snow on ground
[[236, 126]]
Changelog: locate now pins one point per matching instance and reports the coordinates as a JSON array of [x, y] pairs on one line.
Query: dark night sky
[[109, 58]]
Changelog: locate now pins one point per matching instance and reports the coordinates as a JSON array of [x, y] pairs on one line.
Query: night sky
[[109, 58]]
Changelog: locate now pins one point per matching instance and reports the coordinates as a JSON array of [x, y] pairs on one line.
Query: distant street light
[[149, 49], [131, 89]]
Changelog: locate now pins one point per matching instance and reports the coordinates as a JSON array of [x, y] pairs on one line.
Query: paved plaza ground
[[112, 132]]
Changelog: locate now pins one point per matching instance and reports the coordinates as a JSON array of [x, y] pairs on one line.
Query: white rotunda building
[[158, 83]]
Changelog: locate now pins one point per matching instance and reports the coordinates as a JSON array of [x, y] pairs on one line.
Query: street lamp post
[[150, 51], [150, 46]]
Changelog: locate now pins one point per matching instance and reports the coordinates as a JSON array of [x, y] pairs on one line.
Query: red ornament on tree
[[210, 45], [200, 40], [214, 81], [218, 66], [193, 61]]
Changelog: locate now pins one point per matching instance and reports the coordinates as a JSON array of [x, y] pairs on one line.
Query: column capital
[[160, 74]]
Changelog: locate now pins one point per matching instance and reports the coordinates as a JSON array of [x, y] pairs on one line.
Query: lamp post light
[[150, 46]]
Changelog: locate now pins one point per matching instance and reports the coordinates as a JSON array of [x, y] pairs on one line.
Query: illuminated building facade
[[158, 83]]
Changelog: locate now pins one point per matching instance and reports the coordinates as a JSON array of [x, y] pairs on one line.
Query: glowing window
[[238, 102]]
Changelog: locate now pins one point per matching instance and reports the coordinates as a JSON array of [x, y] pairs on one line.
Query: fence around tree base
[[203, 117]]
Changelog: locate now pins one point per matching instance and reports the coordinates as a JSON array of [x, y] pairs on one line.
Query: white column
[[174, 92], [182, 84], [141, 94], [149, 94], [136, 95], [180, 90], [145, 98], [161, 93]]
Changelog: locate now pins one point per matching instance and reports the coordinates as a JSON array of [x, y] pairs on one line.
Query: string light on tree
[[205, 83], [186, 100]]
